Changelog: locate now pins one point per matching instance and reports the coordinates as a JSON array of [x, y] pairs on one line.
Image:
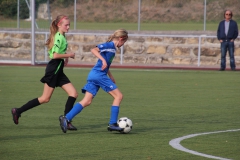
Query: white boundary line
[[175, 143]]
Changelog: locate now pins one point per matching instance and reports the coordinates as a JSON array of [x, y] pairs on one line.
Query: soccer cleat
[[63, 123], [114, 127], [15, 115], [69, 125]]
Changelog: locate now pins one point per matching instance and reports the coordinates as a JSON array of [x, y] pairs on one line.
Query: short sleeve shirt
[[60, 45], [107, 51]]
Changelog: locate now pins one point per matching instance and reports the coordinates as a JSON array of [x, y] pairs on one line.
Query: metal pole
[[75, 14], [205, 8], [46, 50], [121, 58], [28, 8], [33, 31], [139, 14], [199, 50], [18, 14], [49, 15], [30, 11]]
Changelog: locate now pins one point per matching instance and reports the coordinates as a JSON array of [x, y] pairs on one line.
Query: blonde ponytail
[[110, 38], [120, 33], [54, 30]]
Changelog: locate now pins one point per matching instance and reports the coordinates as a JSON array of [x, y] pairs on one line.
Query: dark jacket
[[232, 31]]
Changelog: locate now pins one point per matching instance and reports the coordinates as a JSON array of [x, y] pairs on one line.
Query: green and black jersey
[[60, 45]]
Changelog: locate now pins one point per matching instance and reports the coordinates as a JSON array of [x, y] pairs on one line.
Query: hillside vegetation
[[151, 10]]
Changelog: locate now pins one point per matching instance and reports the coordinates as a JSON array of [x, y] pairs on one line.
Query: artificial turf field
[[163, 105]]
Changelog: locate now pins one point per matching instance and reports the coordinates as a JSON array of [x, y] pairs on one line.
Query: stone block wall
[[144, 48]]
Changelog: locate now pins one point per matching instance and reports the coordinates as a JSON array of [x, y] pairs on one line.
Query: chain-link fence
[[139, 15]]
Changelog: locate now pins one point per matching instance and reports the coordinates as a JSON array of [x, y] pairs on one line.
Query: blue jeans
[[230, 47]]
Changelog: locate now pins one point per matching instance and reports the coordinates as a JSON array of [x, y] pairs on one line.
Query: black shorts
[[54, 76]]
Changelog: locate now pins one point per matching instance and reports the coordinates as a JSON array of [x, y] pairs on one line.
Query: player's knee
[[75, 95], [119, 97], [44, 100]]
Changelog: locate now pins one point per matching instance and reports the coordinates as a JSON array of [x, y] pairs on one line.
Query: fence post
[[205, 8], [199, 49], [33, 30], [49, 14], [75, 14], [18, 14], [46, 49], [121, 58], [139, 14]]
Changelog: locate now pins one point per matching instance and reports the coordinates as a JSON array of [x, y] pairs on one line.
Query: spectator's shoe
[[233, 69], [221, 69], [114, 127], [69, 126], [15, 115], [63, 123]]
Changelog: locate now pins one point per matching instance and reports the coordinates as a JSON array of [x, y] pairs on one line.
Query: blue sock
[[114, 114], [77, 108]]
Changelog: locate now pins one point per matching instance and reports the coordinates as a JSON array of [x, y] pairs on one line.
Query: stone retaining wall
[[139, 49]]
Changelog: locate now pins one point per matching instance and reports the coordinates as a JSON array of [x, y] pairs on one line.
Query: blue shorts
[[93, 85]]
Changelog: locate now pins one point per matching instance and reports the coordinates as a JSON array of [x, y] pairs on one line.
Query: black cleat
[[63, 123], [69, 125], [15, 115], [114, 127]]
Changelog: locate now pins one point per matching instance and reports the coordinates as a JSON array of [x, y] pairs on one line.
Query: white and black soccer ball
[[126, 124]]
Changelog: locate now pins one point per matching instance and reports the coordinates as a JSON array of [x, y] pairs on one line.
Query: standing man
[[227, 32]]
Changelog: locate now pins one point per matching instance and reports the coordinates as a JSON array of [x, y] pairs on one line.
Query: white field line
[[175, 143]]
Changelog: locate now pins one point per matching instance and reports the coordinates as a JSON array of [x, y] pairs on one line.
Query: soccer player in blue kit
[[100, 76]]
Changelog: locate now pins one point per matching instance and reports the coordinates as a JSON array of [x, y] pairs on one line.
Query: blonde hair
[[120, 33], [54, 30]]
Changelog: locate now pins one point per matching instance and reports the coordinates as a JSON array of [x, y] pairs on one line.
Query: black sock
[[69, 104], [33, 103]]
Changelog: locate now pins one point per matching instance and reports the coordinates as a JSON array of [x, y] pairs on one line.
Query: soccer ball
[[125, 123]]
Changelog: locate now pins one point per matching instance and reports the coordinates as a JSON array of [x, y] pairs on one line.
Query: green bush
[[8, 8]]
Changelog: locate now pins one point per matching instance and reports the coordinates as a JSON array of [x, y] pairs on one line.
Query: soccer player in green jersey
[[54, 75]]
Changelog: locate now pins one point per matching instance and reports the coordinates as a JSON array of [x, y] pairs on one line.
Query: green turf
[[190, 26], [163, 105]]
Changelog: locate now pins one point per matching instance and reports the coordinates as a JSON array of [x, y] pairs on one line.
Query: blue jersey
[[107, 51]]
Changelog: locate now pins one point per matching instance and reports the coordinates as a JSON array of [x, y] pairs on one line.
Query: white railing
[[106, 34]]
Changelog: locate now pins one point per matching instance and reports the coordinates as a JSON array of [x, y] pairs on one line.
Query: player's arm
[[96, 52]]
